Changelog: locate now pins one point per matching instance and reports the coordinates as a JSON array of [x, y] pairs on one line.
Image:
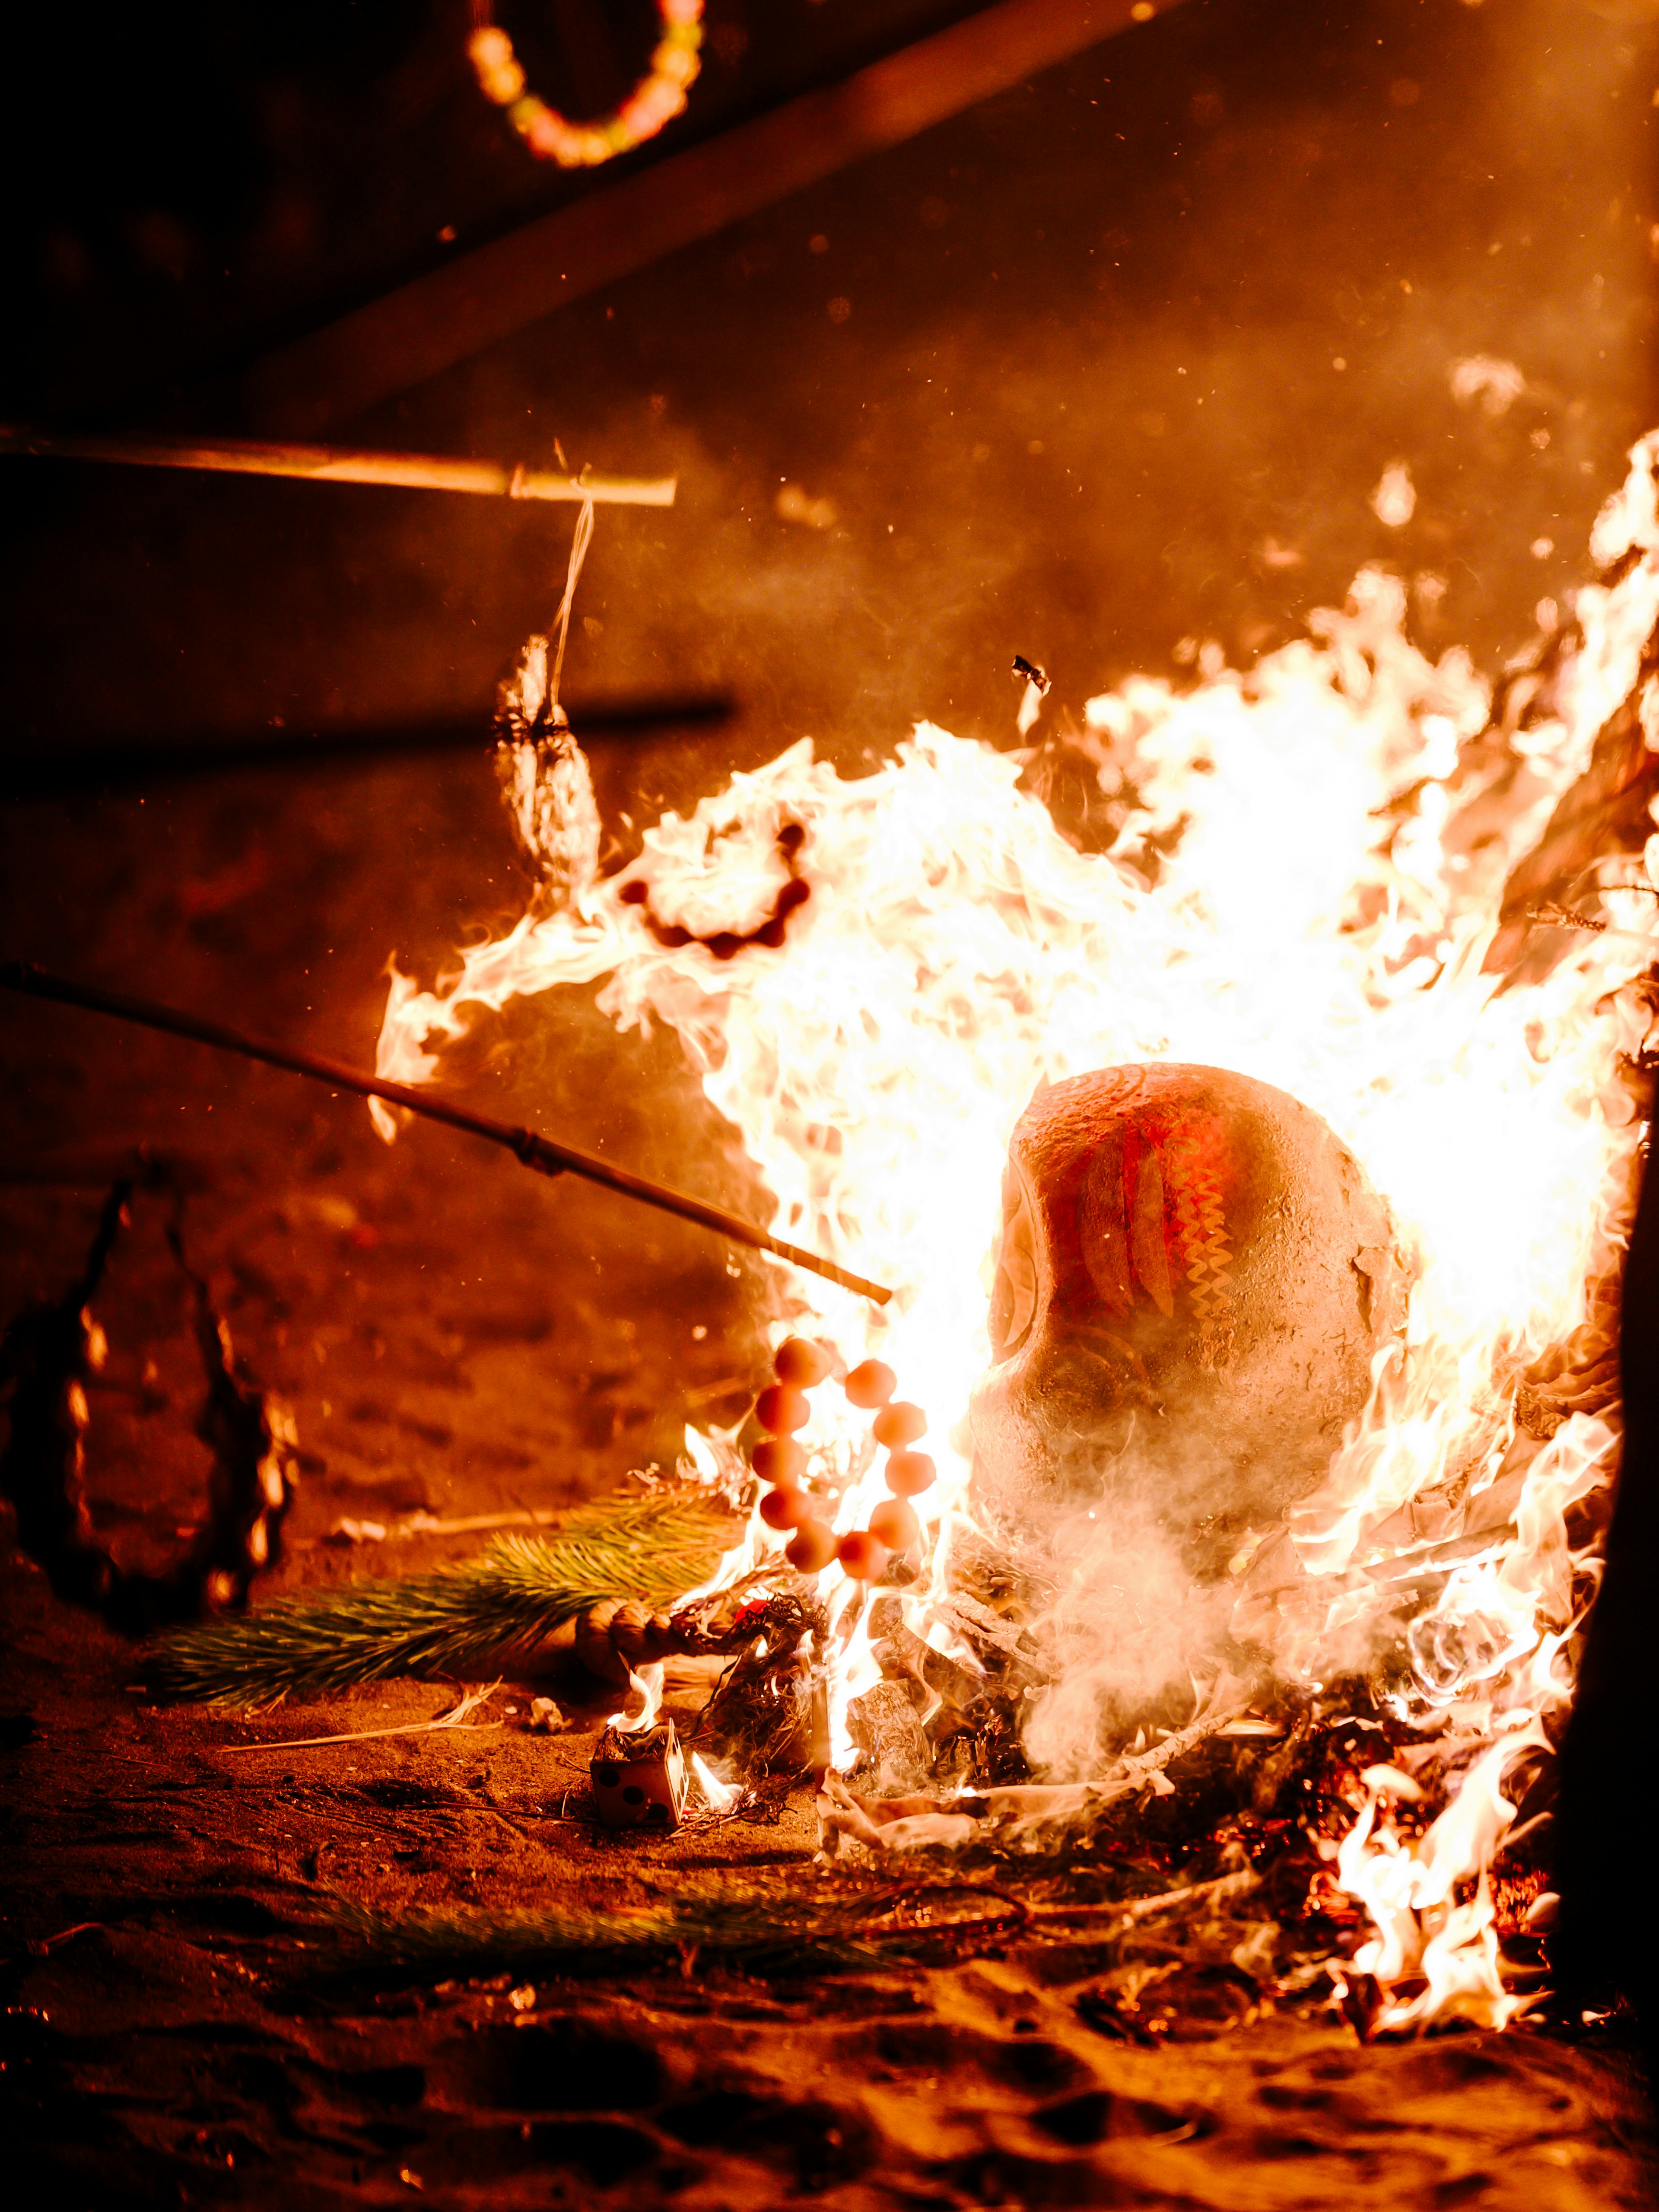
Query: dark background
[[1084, 403]]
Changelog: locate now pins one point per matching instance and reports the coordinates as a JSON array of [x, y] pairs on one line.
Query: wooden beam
[[397, 341], [344, 465], [77, 763]]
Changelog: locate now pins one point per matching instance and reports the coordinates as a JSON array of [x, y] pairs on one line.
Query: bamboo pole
[[528, 1146], [346, 464]]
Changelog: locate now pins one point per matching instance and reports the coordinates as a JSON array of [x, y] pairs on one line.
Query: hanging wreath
[[654, 100]]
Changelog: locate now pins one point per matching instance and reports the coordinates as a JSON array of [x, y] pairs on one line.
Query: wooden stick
[[347, 464], [455, 1719], [532, 1150]]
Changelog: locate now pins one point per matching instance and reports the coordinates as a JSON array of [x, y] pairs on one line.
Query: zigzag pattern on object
[[1201, 1223]]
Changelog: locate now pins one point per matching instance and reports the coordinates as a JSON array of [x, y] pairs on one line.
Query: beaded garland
[[781, 1408], [654, 100]]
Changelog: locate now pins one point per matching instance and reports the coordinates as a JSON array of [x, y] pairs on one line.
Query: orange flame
[[1335, 829]]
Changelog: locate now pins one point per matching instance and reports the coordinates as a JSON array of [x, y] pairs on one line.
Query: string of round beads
[[655, 99], [781, 1408]]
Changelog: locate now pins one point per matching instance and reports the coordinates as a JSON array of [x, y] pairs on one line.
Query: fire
[[645, 1684], [721, 1796], [1303, 888]]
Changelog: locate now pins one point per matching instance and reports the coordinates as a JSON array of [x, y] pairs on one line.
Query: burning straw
[[1316, 875]]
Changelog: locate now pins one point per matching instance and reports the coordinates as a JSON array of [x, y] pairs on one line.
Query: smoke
[[1129, 1631]]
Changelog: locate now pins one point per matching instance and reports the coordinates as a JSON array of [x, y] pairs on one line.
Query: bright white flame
[[1394, 499], [1425, 1933], [1303, 888], [721, 1796], [644, 1683]]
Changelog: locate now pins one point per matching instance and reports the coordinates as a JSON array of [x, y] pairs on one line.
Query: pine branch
[[517, 1592], [770, 1932]]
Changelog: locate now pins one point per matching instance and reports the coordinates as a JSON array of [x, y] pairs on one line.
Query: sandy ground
[[179, 2026], [196, 2043]]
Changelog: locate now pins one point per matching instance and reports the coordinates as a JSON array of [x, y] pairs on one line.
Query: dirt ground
[[179, 2024]]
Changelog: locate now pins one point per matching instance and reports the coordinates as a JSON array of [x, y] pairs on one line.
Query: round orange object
[[869, 1385], [811, 1547], [894, 1523], [781, 1409], [1193, 1281], [778, 1459], [863, 1555], [899, 1425], [785, 1508], [801, 1364], [909, 1473]]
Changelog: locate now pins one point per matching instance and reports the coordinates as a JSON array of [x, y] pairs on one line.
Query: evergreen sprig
[[515, 1594], [775, 1934], [760, 1932]]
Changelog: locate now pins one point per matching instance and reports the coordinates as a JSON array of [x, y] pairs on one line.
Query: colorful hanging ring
[[654, 100]]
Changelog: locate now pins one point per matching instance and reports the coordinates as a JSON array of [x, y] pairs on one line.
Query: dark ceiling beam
[[74, 762], [397, 341]]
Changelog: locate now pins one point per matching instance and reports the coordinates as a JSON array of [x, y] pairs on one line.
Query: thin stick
[[422, 1524], [48, 1943], [347, 464], [1147, 1908], [454, 1718], [1551, 916], [531, 1150]]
